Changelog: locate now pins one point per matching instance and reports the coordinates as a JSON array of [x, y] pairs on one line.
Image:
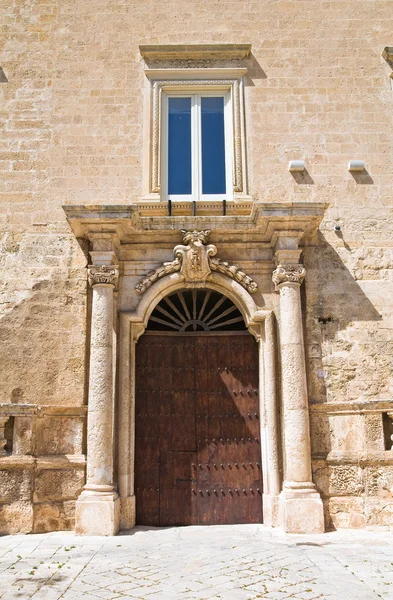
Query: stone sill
[[195, 51]]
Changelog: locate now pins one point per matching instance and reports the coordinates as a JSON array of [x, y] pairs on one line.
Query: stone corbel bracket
[[195, 261], [388, 56]]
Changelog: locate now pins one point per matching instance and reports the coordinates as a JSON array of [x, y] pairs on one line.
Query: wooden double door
[[198, 453]]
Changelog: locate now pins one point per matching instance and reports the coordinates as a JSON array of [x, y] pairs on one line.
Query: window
[[197, 146]]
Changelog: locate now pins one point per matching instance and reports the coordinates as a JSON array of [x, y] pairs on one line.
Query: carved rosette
[[194, 261], [288, 274], [103, 275]]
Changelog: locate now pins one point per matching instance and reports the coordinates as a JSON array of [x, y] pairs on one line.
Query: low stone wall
[[42, 468]]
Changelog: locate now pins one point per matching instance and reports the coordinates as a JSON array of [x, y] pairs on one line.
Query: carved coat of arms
[[194, 259]]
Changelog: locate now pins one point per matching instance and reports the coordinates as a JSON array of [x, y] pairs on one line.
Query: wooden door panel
[[183, 420], [177, 488], [229, 479], [197, 450]]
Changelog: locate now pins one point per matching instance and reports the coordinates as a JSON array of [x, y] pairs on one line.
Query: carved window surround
[[190, 80]]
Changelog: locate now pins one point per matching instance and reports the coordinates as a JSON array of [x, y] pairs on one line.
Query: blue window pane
[[179, 146], [213, 146]]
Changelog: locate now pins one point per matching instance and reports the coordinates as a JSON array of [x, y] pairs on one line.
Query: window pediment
[[158, 52]]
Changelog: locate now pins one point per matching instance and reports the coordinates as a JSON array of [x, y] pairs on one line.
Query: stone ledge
[[14, 410], [383, 457], [350, 408], [61, 461]]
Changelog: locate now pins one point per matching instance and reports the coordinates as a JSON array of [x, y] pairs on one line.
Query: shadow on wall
[[342, 366], [254, 70], [333, 301]]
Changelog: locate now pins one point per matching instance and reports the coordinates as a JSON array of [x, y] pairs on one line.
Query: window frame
[[188, 81], [196, 146]]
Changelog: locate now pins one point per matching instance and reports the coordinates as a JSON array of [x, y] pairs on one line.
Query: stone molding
[[103, 275], [194, 261], [288, 274]]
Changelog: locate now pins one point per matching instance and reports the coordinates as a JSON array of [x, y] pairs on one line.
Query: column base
[[301, 509], [97, 513], [127, 513], [271, 510]]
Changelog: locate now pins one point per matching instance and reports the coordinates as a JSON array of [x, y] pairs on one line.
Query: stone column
[[301, 509], [269, 414], [97, 508], [3, 440], [129, 334]]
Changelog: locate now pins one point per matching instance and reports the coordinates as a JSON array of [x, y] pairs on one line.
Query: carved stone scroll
[[194, 261], [235, 273], [165, 269]]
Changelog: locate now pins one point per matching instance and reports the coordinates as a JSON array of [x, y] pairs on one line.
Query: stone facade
[[78, 131]]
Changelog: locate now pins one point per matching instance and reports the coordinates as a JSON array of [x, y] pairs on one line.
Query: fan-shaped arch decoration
[[196, 310]]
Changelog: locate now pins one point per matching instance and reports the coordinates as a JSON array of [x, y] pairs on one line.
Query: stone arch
[[251, 312]]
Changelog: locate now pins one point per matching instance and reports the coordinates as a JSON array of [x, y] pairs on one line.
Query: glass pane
[[179, 145], [213, 146]]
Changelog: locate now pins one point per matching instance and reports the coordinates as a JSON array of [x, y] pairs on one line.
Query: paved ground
[[239, 562]]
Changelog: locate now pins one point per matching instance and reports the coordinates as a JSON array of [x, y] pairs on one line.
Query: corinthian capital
[[288, 274], [104, 274]]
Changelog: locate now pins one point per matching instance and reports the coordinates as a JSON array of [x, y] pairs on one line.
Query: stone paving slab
[[237, 562]]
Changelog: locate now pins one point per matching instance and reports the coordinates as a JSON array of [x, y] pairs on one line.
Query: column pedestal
[[97, 513], [301, 509]]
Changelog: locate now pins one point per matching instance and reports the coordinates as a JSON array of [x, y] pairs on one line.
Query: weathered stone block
[[16, 485], [16, 517], [346, 432], [58, 484], [379, 481], [53, 516], [59, 435], [345, 480], [346, 512], [374, 438]]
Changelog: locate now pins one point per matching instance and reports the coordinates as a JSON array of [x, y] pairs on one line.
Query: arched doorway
[[198, 452]]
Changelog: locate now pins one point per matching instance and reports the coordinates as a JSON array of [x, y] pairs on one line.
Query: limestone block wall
[[73, 131]]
